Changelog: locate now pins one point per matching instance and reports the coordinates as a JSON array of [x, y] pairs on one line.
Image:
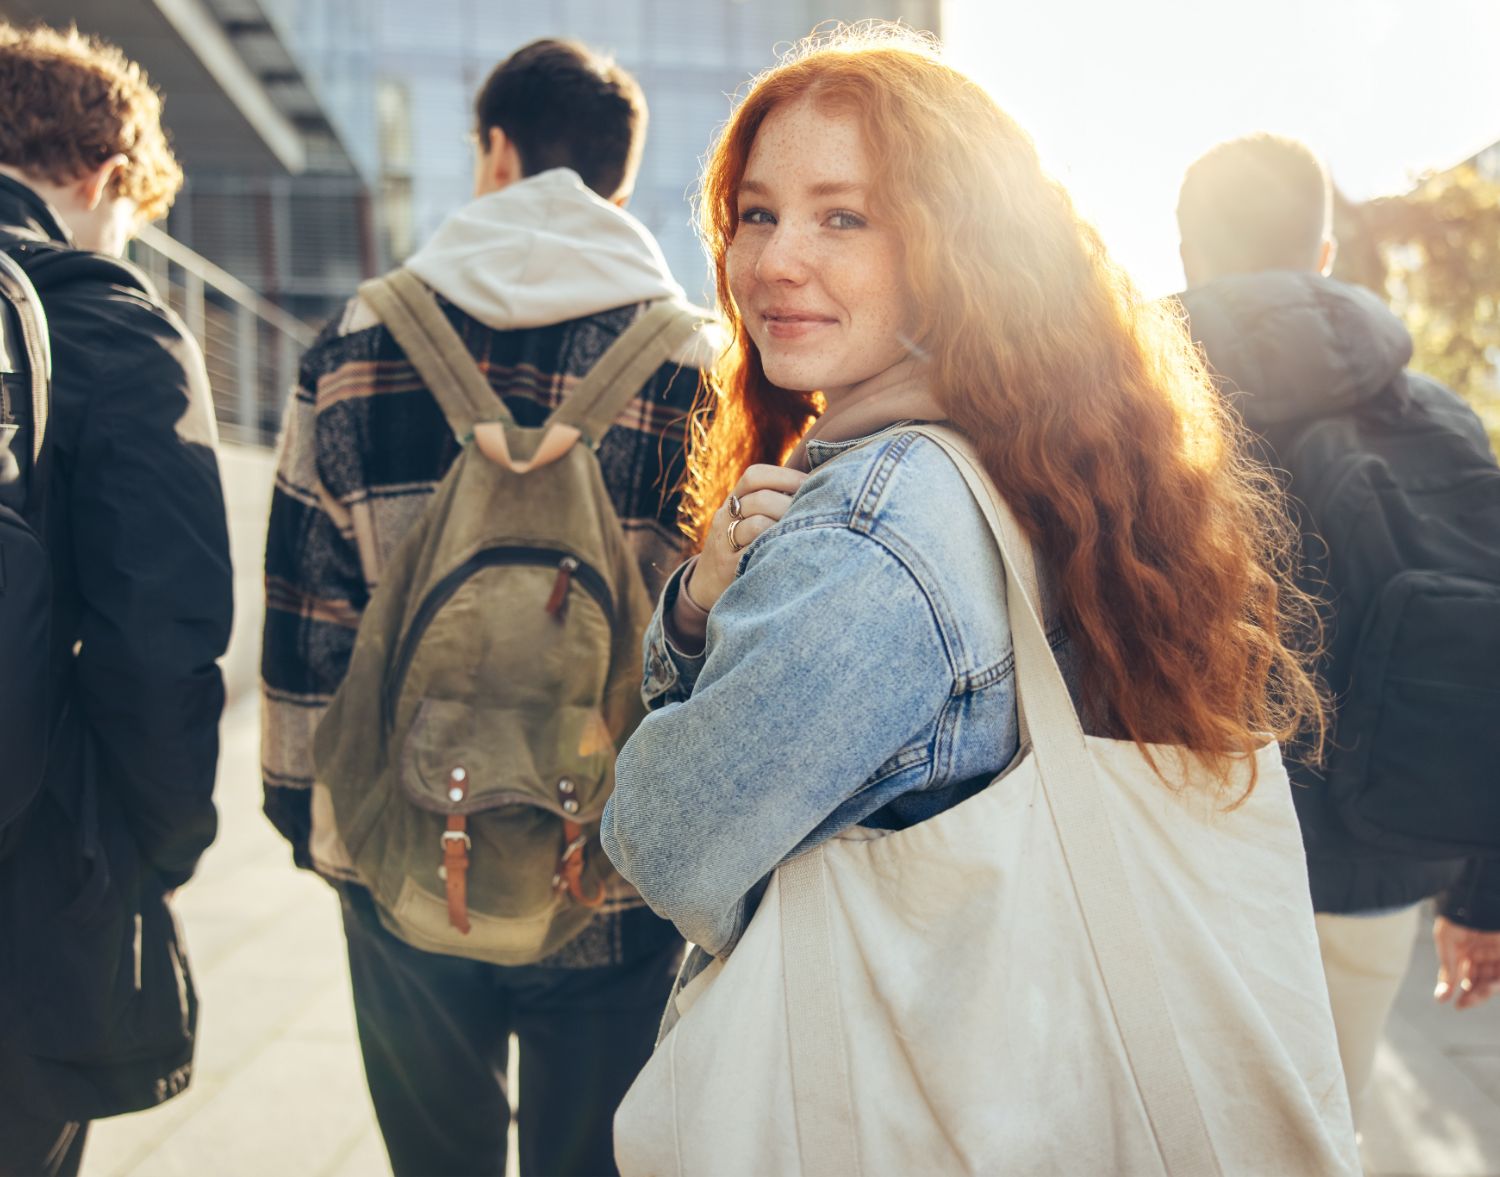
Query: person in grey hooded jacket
[[1294, 346], [539, 273]]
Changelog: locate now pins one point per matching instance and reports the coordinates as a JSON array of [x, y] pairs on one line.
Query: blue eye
[[843, 219], [756, 216]]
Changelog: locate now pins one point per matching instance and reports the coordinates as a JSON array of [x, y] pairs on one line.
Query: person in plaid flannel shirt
[[539, 273]]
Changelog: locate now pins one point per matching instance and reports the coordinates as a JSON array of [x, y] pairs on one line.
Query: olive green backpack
[[470, 750]]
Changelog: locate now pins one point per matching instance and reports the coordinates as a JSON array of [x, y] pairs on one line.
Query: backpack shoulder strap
[[598, 399], [409, 311], [19, 291]]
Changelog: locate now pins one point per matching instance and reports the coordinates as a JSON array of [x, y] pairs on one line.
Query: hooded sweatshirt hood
[[543, 250], [1289, 346]]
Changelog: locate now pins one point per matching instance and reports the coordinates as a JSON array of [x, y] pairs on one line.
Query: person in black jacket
[[97, 1009], [1294, 347]]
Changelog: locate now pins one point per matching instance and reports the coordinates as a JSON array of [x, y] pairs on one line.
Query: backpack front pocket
[[507, 798], [554, 646], [558, 760]]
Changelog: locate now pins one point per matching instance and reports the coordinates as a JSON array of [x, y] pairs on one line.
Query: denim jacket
[[858, 671]]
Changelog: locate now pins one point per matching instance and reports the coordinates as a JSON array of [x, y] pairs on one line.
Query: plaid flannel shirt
[[363, 446]]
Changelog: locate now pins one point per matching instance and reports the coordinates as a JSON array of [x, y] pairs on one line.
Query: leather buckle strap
[[569, 876], [456, 845]]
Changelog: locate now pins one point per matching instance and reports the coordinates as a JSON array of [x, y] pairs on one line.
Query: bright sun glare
[[1121, 96]]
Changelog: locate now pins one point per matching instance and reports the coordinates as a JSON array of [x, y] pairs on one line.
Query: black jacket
[[1290, 348], [97, 1010]]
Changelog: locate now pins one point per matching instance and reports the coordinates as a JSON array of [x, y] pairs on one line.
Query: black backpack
[[25, 570], [1402, 518]]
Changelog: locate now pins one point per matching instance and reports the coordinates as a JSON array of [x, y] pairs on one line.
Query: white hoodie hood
[[540, 251]]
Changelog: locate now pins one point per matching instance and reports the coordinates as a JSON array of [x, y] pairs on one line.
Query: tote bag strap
[[1075, 796], [822, 1097]]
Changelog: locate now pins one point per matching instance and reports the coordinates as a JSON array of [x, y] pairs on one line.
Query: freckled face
[[815, 274]]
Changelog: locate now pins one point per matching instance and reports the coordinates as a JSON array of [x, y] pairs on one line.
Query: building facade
[[398, 80], [324, 140]]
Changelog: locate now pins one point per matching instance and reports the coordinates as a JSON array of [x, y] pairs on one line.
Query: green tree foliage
[[1435, 254]]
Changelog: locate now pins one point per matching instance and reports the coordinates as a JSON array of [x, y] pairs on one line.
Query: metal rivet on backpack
[[570, 805], [458, 776], [455, 794], [565, 786]]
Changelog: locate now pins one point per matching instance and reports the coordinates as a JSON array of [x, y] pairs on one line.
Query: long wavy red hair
[[1088, 404]]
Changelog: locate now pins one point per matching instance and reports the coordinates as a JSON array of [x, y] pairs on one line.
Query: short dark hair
[[565, 106], [1258, 203]]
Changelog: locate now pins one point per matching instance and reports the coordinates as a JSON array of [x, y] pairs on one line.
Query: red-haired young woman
[[888, 250]]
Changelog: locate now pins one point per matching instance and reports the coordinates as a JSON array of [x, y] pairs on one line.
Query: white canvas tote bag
[[1080, 970]]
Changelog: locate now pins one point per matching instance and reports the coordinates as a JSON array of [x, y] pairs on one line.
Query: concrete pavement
[[279, 1089], [1434, 1104]]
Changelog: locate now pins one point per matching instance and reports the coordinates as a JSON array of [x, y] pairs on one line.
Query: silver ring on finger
[[736, 509], [734, 544]]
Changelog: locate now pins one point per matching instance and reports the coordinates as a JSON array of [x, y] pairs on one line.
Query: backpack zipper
[[569, 568], [557, 603]]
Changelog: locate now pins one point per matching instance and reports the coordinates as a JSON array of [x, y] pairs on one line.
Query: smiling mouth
[[794, 326]]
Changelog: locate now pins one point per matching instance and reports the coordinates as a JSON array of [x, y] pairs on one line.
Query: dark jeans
[[435, 1033], [38, 1148]]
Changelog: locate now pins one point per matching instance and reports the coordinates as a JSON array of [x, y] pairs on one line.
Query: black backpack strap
[[45, 267], [22, 295]]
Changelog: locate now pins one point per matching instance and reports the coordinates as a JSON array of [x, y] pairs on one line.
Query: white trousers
[[1365, 960]]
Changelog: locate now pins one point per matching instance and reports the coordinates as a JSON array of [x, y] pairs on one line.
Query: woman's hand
[[760, 499]]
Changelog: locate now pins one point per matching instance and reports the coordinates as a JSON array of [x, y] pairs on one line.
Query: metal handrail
[[226, 284], [250, 345]]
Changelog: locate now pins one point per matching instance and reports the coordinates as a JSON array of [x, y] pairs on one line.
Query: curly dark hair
[[71, 102]]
